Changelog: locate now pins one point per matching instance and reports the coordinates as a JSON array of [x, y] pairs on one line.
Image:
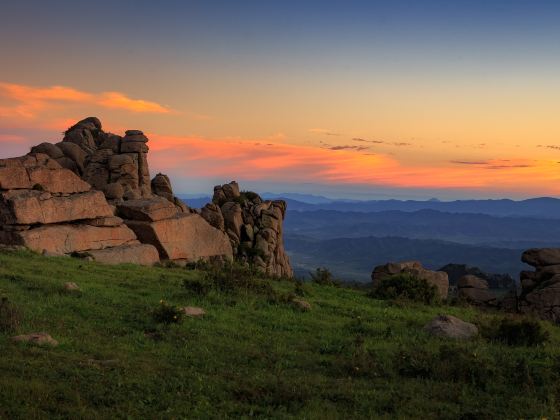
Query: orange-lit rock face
[[183, 237], [28, 207]]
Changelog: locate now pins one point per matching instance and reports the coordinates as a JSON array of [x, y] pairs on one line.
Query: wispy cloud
[[323, 131], [468, 162], [23, 101], [348, 147], [549, 146], [359, 139]]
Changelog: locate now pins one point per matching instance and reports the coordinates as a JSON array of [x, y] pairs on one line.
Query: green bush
[[516, 332], [407, 287], [232, 278], [324, 277], [167, 314], [10, 316]]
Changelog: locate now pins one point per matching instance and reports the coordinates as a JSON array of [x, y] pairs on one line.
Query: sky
[[350, 99]]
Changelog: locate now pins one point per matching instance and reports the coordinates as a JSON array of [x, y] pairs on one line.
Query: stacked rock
[[48, 208], [414, 268], [475, 290], [71, 197], [253, 225], [540, 289]]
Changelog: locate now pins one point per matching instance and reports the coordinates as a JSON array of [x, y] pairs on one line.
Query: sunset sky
[[361, 99]]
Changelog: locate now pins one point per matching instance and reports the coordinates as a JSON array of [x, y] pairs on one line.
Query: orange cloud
[[27, 101], [271, 161]]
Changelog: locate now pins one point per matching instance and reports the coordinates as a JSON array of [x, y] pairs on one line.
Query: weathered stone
[[540, 257], [141, 254], [31, 207], [301, 304], [161, 185], [193, 311], [69, 164], [150, 210], [233, 218], [14, 177], [213, 215], [472, 281], [71, 287], [390, 269], [114, 191], [414, 268], [185, 236], [108, 221], [74, 152], [231, 190], [38, 339], [134, 147], [451, 327], [48, 149], [58, 180], [66, 239], [477, 296], [543, 302]]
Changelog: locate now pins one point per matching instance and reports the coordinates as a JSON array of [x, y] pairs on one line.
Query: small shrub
[[10, 316], [324, 277], [407, 287], [198, 287], [167, 314], [233, 278], [414, 364], [299, 289], [457, 364], [516, 332], [38, 187]]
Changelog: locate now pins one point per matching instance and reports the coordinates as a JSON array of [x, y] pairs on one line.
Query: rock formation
[[414, 268], [254, 227], [495, 281], [475, 290], [92, 193], [540, 289]]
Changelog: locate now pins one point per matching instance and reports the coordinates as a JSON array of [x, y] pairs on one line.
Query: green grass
[[349, 357]]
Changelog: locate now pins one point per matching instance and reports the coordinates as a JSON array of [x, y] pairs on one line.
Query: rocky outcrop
[[414, 268], [253, 226], [475, 290], [92, 194], [495, 281], [540, 289]]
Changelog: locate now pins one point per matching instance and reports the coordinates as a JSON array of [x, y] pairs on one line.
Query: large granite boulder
[[69, 238], [186, 237], [449, 326], [150, 210], [136, 253], [475, 290], [29, 207], [414, 268]]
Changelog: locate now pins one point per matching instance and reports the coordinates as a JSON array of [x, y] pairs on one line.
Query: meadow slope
[[252, 355]]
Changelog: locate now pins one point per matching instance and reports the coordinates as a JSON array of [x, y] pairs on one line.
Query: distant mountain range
[[465, 228], [544, 207]]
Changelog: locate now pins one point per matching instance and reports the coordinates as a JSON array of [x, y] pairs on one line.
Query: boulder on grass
[[450, 327], [39, 339]]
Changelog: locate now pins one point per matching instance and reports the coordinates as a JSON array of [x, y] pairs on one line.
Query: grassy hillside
[[253, 354]]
